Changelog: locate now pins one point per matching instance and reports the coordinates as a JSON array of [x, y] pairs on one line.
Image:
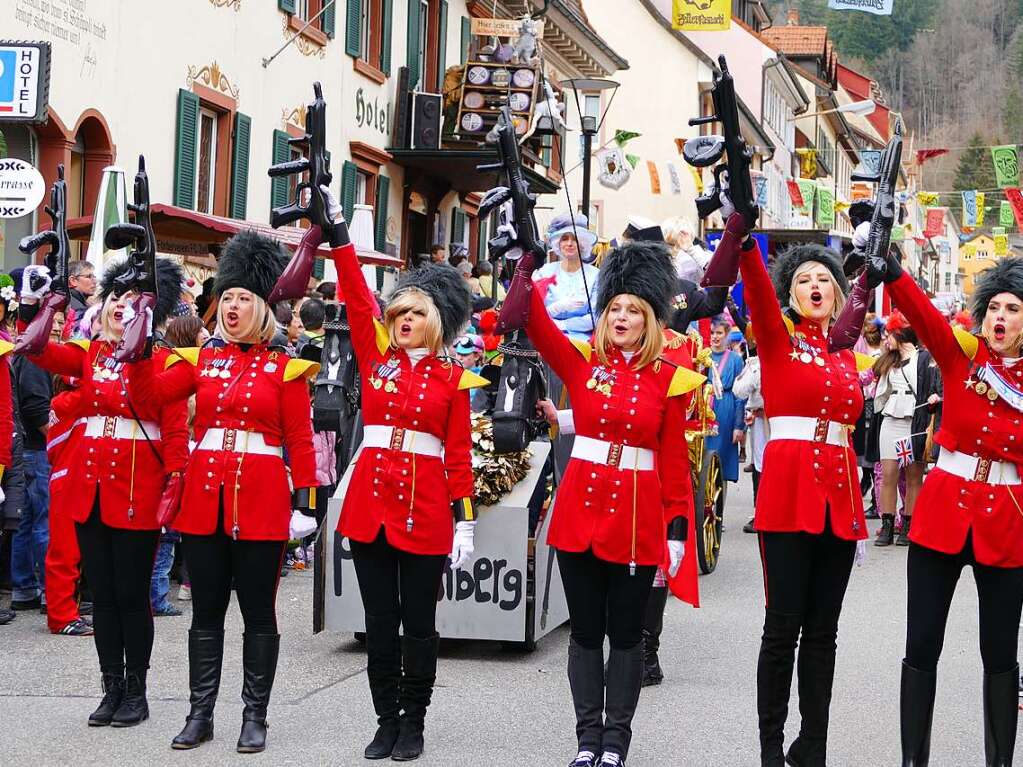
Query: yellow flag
[[807, 163], [841, 205], [980, 209], [927, 198], [701, 15], [697, 178]]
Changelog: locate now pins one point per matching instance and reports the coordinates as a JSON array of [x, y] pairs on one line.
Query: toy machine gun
[[35, 336], [136, 341], [295, 279], [704, 151]]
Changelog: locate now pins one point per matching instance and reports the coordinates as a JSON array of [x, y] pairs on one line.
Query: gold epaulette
[[383, 337], [470, 380], [967, 341], [187, 353], [300, 369], [81, 343], [863, 362], [5, 347], [584, 349], [684, 381]]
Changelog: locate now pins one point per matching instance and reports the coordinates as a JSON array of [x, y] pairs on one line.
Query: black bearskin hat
[[169, 278], [448, 291], [1006, 276], [642, 268], [250, 261], [787, 263]]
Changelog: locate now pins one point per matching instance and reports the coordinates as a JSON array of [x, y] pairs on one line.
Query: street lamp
[[590, 125], [858, 108]]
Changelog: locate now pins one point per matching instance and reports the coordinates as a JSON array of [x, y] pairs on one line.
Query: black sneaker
[[42, 609], [26, 604], [610, 759], [748, 527], [584, 759], [6, 616], [76, 628]]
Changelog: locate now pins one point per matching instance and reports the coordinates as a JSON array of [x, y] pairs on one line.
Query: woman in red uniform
[[129, 448], [412, 485], [252, 404], [627, 483], [969, 510], [809, 513]]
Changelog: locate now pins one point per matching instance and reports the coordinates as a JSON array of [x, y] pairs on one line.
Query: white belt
[[236, 441], [809, 430], [612, 454], [117, 427], [978, 469], [405, 440]]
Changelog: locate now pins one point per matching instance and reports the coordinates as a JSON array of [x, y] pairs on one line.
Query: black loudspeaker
[[426, 118], [401, 117]]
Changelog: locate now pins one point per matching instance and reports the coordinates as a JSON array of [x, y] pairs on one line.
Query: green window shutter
[[348, 171], [387, 27], [327, 22], [318, 268], [481, 245], [412, 46], [380, 233], [442, 44], [240, 165], [466, 38], [279, 186], [288, 6], [184, 152], [457, 226], [353, 28]]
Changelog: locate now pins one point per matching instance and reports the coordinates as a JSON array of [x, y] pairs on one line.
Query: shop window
[[368, 26]]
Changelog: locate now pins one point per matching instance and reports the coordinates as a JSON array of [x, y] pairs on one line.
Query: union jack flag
[[904, 451]]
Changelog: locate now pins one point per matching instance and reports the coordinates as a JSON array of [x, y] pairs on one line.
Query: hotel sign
[[24, 81]]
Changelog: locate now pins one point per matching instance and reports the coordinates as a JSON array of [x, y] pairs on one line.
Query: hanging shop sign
[[701, 15], [21, 188], [24, 81]]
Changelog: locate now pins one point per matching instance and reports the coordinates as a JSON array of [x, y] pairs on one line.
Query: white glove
[[35, 270], [334, 210], [860, 235], [727, 209], [676, 550], [566, 305], [3, 495], [461, 547], [301, 525], [861, 553]]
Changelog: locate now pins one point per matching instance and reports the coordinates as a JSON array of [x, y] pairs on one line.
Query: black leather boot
[[134, 708], [816, 671], [653, 622], [586, 680], [419, 672], [903, 539], [113, 692], [205, 658], [259, 661], [383, 655], [887, 534], [774, 683], [1001, 712], [916, 709], [624, 679]]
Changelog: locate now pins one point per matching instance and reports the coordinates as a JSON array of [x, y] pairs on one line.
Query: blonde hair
[[673, 228], [651, 343], [839, 295], [411, 299], [107, 332], [260, 330]]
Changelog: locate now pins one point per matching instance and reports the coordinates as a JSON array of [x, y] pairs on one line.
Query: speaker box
[[426, 120], [402, 110]]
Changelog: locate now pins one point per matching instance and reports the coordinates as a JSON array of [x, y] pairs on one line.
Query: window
[[301, 12], [590, 104], [206, 169], [368, 37], [948, 281], [302, 9], [363, 183], [423, 36]]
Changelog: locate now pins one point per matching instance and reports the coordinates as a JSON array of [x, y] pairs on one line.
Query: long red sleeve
[[296, 420], [768, 325], [457, 446], [6, 412], [553, 345], [932, 328], [360, 302]]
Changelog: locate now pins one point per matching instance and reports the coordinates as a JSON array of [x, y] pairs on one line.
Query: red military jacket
[[128, 474], [6, 407], [950, 507], [802, 481], [264, 391], [620, 513], [62, 444], [389, 487]]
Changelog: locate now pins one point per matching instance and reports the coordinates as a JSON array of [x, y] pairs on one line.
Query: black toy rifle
[[33, 339], [140, 275], [703, 151], [883, 218]]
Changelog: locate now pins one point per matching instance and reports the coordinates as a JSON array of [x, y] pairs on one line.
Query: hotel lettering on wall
[[24, 81], [370, 113]]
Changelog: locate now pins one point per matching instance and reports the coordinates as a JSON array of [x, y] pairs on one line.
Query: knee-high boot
[[774, 683], [419, 673], [1001, 712], [259, 661], [916, 710], [205, 660], [653, 622], [816, 671], [624, 679], [383, 667], [586, 679]]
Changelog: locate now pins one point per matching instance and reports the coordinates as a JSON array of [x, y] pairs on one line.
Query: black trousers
[[217, 561], [119, 567], [399, 584], [603, 599], [932, 577]]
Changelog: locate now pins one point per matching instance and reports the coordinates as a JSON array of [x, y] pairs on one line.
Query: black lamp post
[[589, 124]]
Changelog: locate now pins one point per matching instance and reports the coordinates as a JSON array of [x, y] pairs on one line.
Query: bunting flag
[[807, 162], [697, 178], [876, 7], [807, 188], [633, 160], [673, 177], [1001, 241], [870, 161], [1015, 199], [898, 233], [655, 178], [680, 144], [1006, 161], [613, 169], [1005, 218], [841, 206], [927, 198], [623, 137], [825, 207], [980, 208], [795, 195], [923, 155], [759, 187], [970, 209], [935, 222], [703, 16], [860, 190]]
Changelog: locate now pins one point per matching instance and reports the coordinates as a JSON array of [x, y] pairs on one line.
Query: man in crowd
[[82, 282], [327, 291], [438, 253], [311, 314]]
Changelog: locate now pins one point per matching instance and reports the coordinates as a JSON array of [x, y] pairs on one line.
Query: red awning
[[187, 233]]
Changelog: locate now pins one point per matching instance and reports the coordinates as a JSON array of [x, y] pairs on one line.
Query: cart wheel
[[710, 507]]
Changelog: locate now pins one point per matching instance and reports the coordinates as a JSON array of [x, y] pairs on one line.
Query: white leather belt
[[116, 427], [978, 469], [612, 454], [405, 440], [236, 441], [809, 430]]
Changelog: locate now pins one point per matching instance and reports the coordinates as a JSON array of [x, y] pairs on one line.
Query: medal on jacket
[[219, 367], [680, 302], [271, 365], [601, 380], [805, 352], [106, 369], [994, 386], [386, 375]]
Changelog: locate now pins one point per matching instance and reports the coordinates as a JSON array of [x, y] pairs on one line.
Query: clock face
[[501, 78], [473, 100], [472, 122], [524, 78], [519, 102], [478, 75]]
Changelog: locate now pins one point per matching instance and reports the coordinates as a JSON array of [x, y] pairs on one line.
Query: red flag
[[794, 194], [920, 241], [935, 222], [923, 155], [1012, 194]]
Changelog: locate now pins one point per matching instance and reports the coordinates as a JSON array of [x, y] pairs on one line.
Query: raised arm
[[768, 324], [366, 331], [553, 345], [933, 329], [66, 360]]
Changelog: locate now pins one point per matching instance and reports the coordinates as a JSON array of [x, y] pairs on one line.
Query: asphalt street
[[497, 707]]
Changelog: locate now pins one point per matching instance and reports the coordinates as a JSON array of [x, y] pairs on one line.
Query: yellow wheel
[[709, 503]]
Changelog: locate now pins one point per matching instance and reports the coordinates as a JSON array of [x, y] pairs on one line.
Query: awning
[[198, 236], [457, 168]]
